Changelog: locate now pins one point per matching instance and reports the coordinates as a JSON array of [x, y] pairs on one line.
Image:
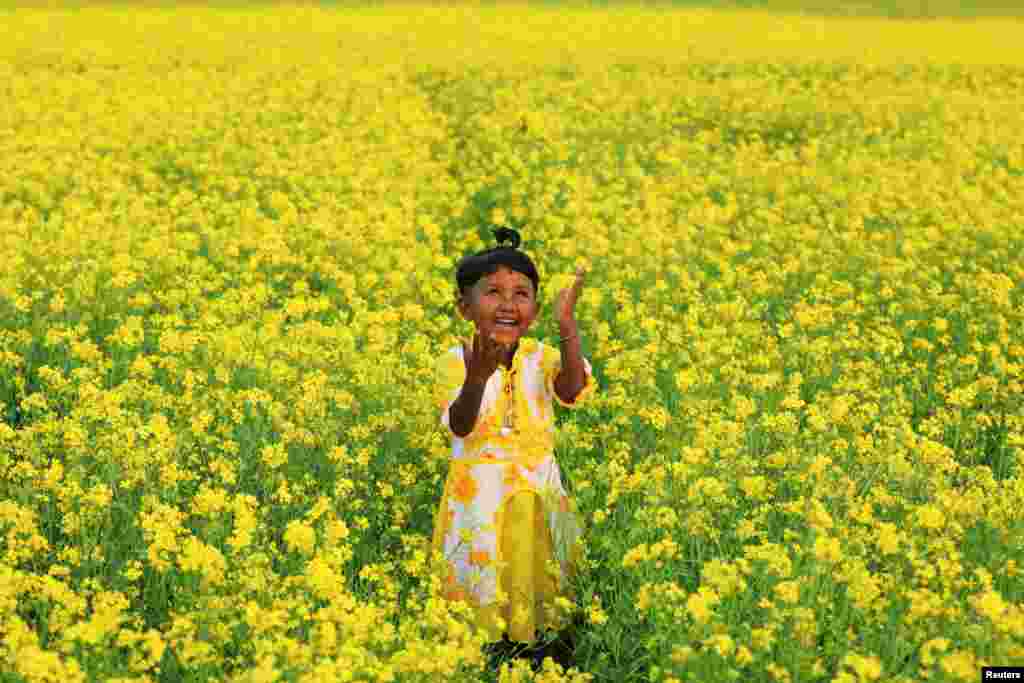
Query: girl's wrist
[[567, 331]]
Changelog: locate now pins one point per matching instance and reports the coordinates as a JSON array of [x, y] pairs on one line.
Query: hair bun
[[506, 235]]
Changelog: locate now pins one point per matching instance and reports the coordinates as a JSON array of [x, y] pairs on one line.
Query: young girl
[[505, 525]]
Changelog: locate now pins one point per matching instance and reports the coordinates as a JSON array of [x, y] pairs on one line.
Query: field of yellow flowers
[[228, 238]]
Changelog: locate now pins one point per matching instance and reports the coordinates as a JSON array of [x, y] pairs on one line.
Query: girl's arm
[[573, 376], [464, 411]]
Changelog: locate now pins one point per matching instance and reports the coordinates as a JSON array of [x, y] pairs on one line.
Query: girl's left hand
[[565, 302]]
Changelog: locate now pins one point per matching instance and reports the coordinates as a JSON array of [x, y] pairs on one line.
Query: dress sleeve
[[449, 376], [552, 364]]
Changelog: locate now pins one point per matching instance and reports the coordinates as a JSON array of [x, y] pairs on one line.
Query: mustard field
[[227, 249]]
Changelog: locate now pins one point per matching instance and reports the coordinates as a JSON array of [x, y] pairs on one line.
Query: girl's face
[[504, 295]]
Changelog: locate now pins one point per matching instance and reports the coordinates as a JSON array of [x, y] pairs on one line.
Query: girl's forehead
[[503, 276]]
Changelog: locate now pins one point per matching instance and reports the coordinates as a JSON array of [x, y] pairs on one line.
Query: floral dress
[[505, 526]]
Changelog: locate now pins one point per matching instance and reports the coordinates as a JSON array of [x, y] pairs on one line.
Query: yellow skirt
[[524, 575]]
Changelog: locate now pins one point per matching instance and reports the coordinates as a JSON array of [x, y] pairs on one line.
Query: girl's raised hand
[[483, 359], [565, 302]]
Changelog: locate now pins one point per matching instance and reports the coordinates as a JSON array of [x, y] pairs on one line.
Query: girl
[[505, 526]]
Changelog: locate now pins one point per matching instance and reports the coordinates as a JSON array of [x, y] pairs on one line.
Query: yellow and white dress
[[504, 513]]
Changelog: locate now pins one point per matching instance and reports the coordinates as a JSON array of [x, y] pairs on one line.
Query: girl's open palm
[[483, 359]]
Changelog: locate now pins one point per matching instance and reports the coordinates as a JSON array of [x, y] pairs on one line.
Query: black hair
[[475, 266]]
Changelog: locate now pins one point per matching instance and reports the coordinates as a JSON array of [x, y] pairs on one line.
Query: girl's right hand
[[483, 359]]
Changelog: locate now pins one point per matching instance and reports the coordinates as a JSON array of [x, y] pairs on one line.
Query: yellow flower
[[888, 538], [700, 604], [323, 580], [635, 556], [930, 517], [867, 668], [774, 555], [931, 646], [865, 591], [274, 455], [726, 579], [762, 638], [300, 537], [827, 549], [788, 591], [990, 605], [960, 664], [722, 644], [755, 488], [817, 516]]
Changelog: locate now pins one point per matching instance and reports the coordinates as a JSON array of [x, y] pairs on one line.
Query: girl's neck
[[511, 356]]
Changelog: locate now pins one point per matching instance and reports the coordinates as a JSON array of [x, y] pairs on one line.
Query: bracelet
[[571, 336]]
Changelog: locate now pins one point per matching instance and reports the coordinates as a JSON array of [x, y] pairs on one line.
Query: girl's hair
[[475, 266]]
